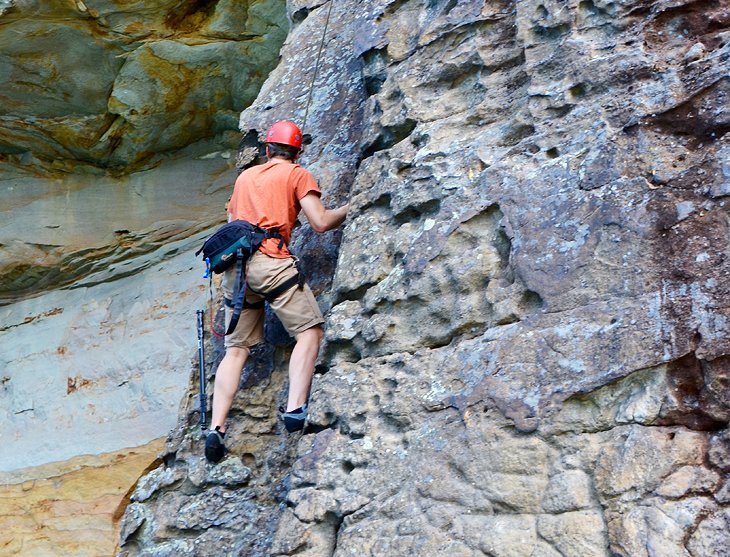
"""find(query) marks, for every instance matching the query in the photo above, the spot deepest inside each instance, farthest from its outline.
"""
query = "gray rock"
(712, 536)
(689, 479)
(578, 534)
(154, 481)
(216, 507)
(230, 472)
(169, 549)
(723, 494)
(568, 491)
(638, 460)
(719, 450)
(135, 516)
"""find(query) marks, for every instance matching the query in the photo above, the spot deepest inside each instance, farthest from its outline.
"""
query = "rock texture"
(527, 347)
(97, 98)
(527, 344)
(113, 84)
(73, 507)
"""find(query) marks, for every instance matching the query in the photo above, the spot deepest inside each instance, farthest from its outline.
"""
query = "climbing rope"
(316, 66)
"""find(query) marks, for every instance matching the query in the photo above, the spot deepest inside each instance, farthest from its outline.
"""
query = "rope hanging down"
(316, 66)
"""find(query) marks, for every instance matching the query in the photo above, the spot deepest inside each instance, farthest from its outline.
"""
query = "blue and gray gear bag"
(233, 244)
(238, 238)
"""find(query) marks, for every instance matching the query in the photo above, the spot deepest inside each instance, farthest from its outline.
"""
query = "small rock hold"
(719, 453)
(696, 52)
(154, 481)
(134, 517)
(711, 535)
(689, 479)
(568, 491)
(723, 494)
(231, 472)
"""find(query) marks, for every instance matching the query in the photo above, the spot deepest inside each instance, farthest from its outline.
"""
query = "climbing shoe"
(214, 447)
(294, 419)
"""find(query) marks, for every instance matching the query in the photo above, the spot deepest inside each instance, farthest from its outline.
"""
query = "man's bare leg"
(301, 366)
(227, 378)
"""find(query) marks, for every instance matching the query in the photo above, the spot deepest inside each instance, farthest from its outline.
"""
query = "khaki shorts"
(297, 308)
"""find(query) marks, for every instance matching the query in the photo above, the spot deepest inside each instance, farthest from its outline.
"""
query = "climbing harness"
(233, 244)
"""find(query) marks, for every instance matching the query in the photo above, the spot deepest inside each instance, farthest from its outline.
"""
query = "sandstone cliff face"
(96, 94)
(114, 83)
(84, 348)
(70, 507)
(527, 348)
(118, 134)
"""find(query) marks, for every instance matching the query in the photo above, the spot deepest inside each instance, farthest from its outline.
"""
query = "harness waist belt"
(231, 304)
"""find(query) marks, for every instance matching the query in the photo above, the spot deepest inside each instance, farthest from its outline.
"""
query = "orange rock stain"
(72, 507)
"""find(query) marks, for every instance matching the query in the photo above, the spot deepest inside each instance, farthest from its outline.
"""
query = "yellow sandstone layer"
(72, 507)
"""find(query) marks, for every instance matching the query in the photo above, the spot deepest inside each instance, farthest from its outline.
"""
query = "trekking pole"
(201, 367)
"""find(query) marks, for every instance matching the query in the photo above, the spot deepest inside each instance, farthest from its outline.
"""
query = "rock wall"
(527, 348)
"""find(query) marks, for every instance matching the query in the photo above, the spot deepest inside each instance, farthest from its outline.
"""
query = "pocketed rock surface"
(527, 349)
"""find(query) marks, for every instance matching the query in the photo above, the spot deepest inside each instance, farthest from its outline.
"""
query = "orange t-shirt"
(268, 196)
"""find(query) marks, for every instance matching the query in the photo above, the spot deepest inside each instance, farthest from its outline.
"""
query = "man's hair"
(280, 150)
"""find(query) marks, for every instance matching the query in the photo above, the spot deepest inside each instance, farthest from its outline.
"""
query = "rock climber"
(271, 195)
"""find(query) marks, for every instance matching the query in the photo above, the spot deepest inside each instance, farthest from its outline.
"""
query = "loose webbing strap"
(291, 282)
(239, 300)
(246, 304)
(274, 233)
(241, 290)
(240, 303)
(242, 283)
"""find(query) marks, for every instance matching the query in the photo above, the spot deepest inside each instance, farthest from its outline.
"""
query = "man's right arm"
(319, 218)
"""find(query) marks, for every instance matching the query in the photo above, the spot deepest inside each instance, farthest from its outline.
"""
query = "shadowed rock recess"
(528, 340)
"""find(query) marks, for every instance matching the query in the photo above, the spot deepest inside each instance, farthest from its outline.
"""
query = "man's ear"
(268, 156)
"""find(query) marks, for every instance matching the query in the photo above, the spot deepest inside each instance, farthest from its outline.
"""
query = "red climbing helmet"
(285, 132)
